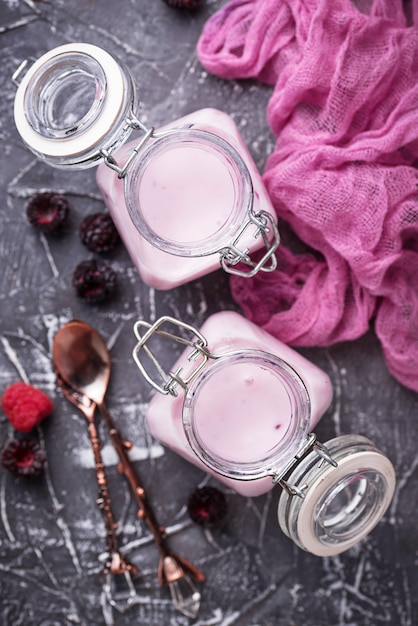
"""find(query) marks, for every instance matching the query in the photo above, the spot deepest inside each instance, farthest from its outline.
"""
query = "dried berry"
(98, 233)
(25, 406)
(47, 211)
(207, 506)
(23, 457)
(183, 4)
(94, 280)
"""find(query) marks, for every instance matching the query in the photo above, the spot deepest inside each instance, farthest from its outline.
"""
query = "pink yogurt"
(185, 193)
(239, 413)
(190, 210)
(247, 391)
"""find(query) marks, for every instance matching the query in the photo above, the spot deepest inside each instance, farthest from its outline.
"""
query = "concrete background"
(51, 532)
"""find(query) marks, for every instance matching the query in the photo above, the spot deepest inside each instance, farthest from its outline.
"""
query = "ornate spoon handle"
(116, 564)
(145, 510)
(173, 570)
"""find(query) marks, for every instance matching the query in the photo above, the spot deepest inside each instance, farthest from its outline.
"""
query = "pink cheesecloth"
(344, 172)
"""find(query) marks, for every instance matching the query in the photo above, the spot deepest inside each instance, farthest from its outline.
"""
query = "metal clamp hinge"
(173, 378)
(231, 255)
(110, 160)
(311, 444)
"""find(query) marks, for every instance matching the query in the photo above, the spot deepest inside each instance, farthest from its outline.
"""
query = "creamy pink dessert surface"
(240, 411)
(186, 192)
(241, 414)
(188, 200)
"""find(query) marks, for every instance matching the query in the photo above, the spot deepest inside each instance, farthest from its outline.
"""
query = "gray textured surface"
(51, 532)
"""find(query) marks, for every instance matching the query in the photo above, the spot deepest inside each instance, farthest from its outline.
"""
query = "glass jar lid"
(246, 414)
(341, 504)
(200, 181)
(72, 102)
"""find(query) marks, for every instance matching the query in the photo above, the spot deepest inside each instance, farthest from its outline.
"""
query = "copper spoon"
(115, 566)
(82, 361)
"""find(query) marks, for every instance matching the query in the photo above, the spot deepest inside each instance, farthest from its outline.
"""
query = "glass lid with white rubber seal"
(73, 101)
(328, 507)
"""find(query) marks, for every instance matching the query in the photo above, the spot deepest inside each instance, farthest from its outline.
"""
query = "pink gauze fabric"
(344, 171)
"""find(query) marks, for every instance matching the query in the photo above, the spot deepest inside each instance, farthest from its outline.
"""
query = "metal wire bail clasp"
(265, 228)
(167, 383)
(310, 444)
(132, 122)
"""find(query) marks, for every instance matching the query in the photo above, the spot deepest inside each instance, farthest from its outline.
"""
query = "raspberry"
(47, 211)
(98, 233)
(25, 406)
(94, 280)
(183, 4)
(23, 457)
(207, 506)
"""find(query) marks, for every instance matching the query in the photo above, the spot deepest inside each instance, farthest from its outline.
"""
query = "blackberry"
(23, 457)
(94, 280)
(183, 4)
(207, 506)
(98, 233)
(47, 211)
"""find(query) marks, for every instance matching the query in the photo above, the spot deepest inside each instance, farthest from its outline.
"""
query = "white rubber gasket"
(355, 463)
(92, 136)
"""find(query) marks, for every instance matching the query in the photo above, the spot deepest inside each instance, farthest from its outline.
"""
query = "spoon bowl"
(82, 359)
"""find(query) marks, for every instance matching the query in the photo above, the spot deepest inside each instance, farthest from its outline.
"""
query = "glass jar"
(187, 198)
(240, 404)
